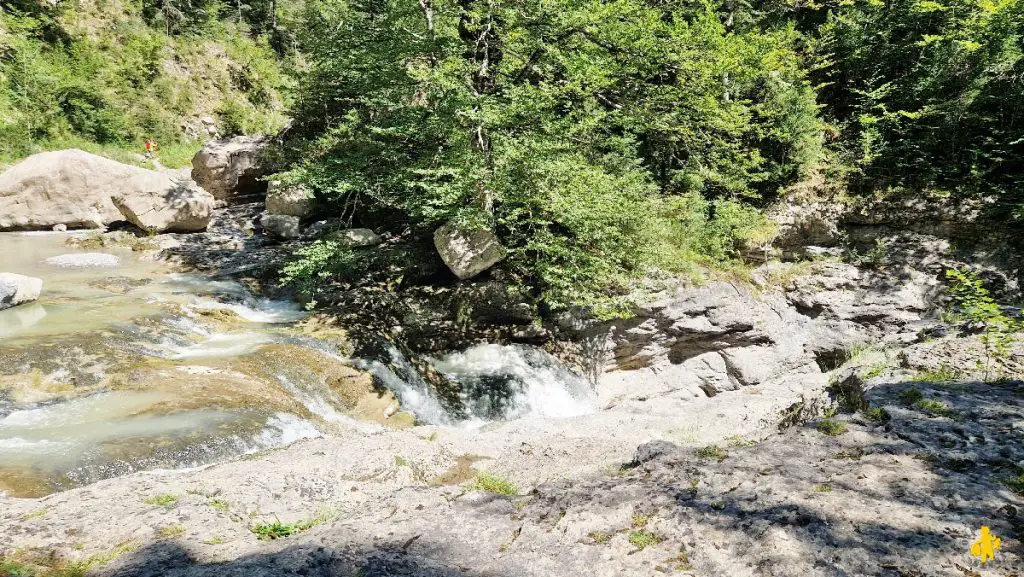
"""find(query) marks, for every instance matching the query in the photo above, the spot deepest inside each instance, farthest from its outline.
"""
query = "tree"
(560, 125)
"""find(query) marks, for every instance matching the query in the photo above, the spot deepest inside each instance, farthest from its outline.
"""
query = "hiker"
(150, 148)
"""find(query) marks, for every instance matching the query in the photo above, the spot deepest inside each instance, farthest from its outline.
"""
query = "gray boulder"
(468, 252)
(289, 200)
(183, 208)
(16, 289)
(75, 189)
(231, 168)
(281, 226)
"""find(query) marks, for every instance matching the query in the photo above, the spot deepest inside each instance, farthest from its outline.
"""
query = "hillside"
(105, 75)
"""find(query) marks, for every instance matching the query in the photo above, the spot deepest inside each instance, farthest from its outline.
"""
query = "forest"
(601, 140)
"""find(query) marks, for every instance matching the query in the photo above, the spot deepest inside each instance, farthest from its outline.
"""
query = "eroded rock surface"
(231, 168)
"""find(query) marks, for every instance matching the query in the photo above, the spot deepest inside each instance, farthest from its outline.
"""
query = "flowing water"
(124, 364)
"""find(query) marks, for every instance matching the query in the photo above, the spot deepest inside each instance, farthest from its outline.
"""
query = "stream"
(125, 364)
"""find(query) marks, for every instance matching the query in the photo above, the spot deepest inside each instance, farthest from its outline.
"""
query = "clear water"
(129, 367)
(66, 419)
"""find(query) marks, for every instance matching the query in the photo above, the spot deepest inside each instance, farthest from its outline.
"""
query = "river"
(126, 364)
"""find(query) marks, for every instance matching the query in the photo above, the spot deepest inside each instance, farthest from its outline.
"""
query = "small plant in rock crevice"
(167, 501)
(643, 539)
(490, 483)
(712, 452)
(831, 427)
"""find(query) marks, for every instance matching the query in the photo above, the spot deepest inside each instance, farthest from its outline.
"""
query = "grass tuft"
(167, 501)
(832, 427)
(493, 484)
(643, 539)
(712, 452)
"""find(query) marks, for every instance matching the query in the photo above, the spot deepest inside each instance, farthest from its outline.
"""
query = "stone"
(84, 260)
(60, 228)
(16, 289)
(468, 252)
(75, 189)
(290, 200)
(281, 226)
(231, 168)
(356, 237)
(184, 208)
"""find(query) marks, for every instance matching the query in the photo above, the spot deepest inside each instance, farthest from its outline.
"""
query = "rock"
(320, 228)
(887, 302)
(356, 237)
(208, 120)
(84, 260)
(60, 227)
(468, 253)
(281, 226)
(289, 200)
(231, 168)
(705, 340)
(652, 450)
(75, 189)
(16, 289)
(185, 208)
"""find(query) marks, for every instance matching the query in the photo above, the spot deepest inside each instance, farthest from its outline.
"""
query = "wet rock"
(468, 253)
(281, 226)
(84, 259)
(231, 168)
(16, 289)
(290, 200)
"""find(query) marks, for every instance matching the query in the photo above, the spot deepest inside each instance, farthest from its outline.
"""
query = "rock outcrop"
(706, 340)
(290, 200)
(75, 189)
(16, 289)
(468, 252)
(231, 168)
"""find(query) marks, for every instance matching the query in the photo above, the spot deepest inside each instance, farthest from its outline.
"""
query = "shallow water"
(131, 367)
(104, 374)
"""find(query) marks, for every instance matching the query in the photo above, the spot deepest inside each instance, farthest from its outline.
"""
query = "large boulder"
(289, 200)
(281, 226)
(231, 168)
(155, 208)
(75, 189)
(16, 289)
(468, 252)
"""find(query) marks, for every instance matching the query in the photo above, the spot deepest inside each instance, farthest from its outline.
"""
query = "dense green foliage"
(100, 77)
(929, 93)
(599, 140)
(596, 138)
